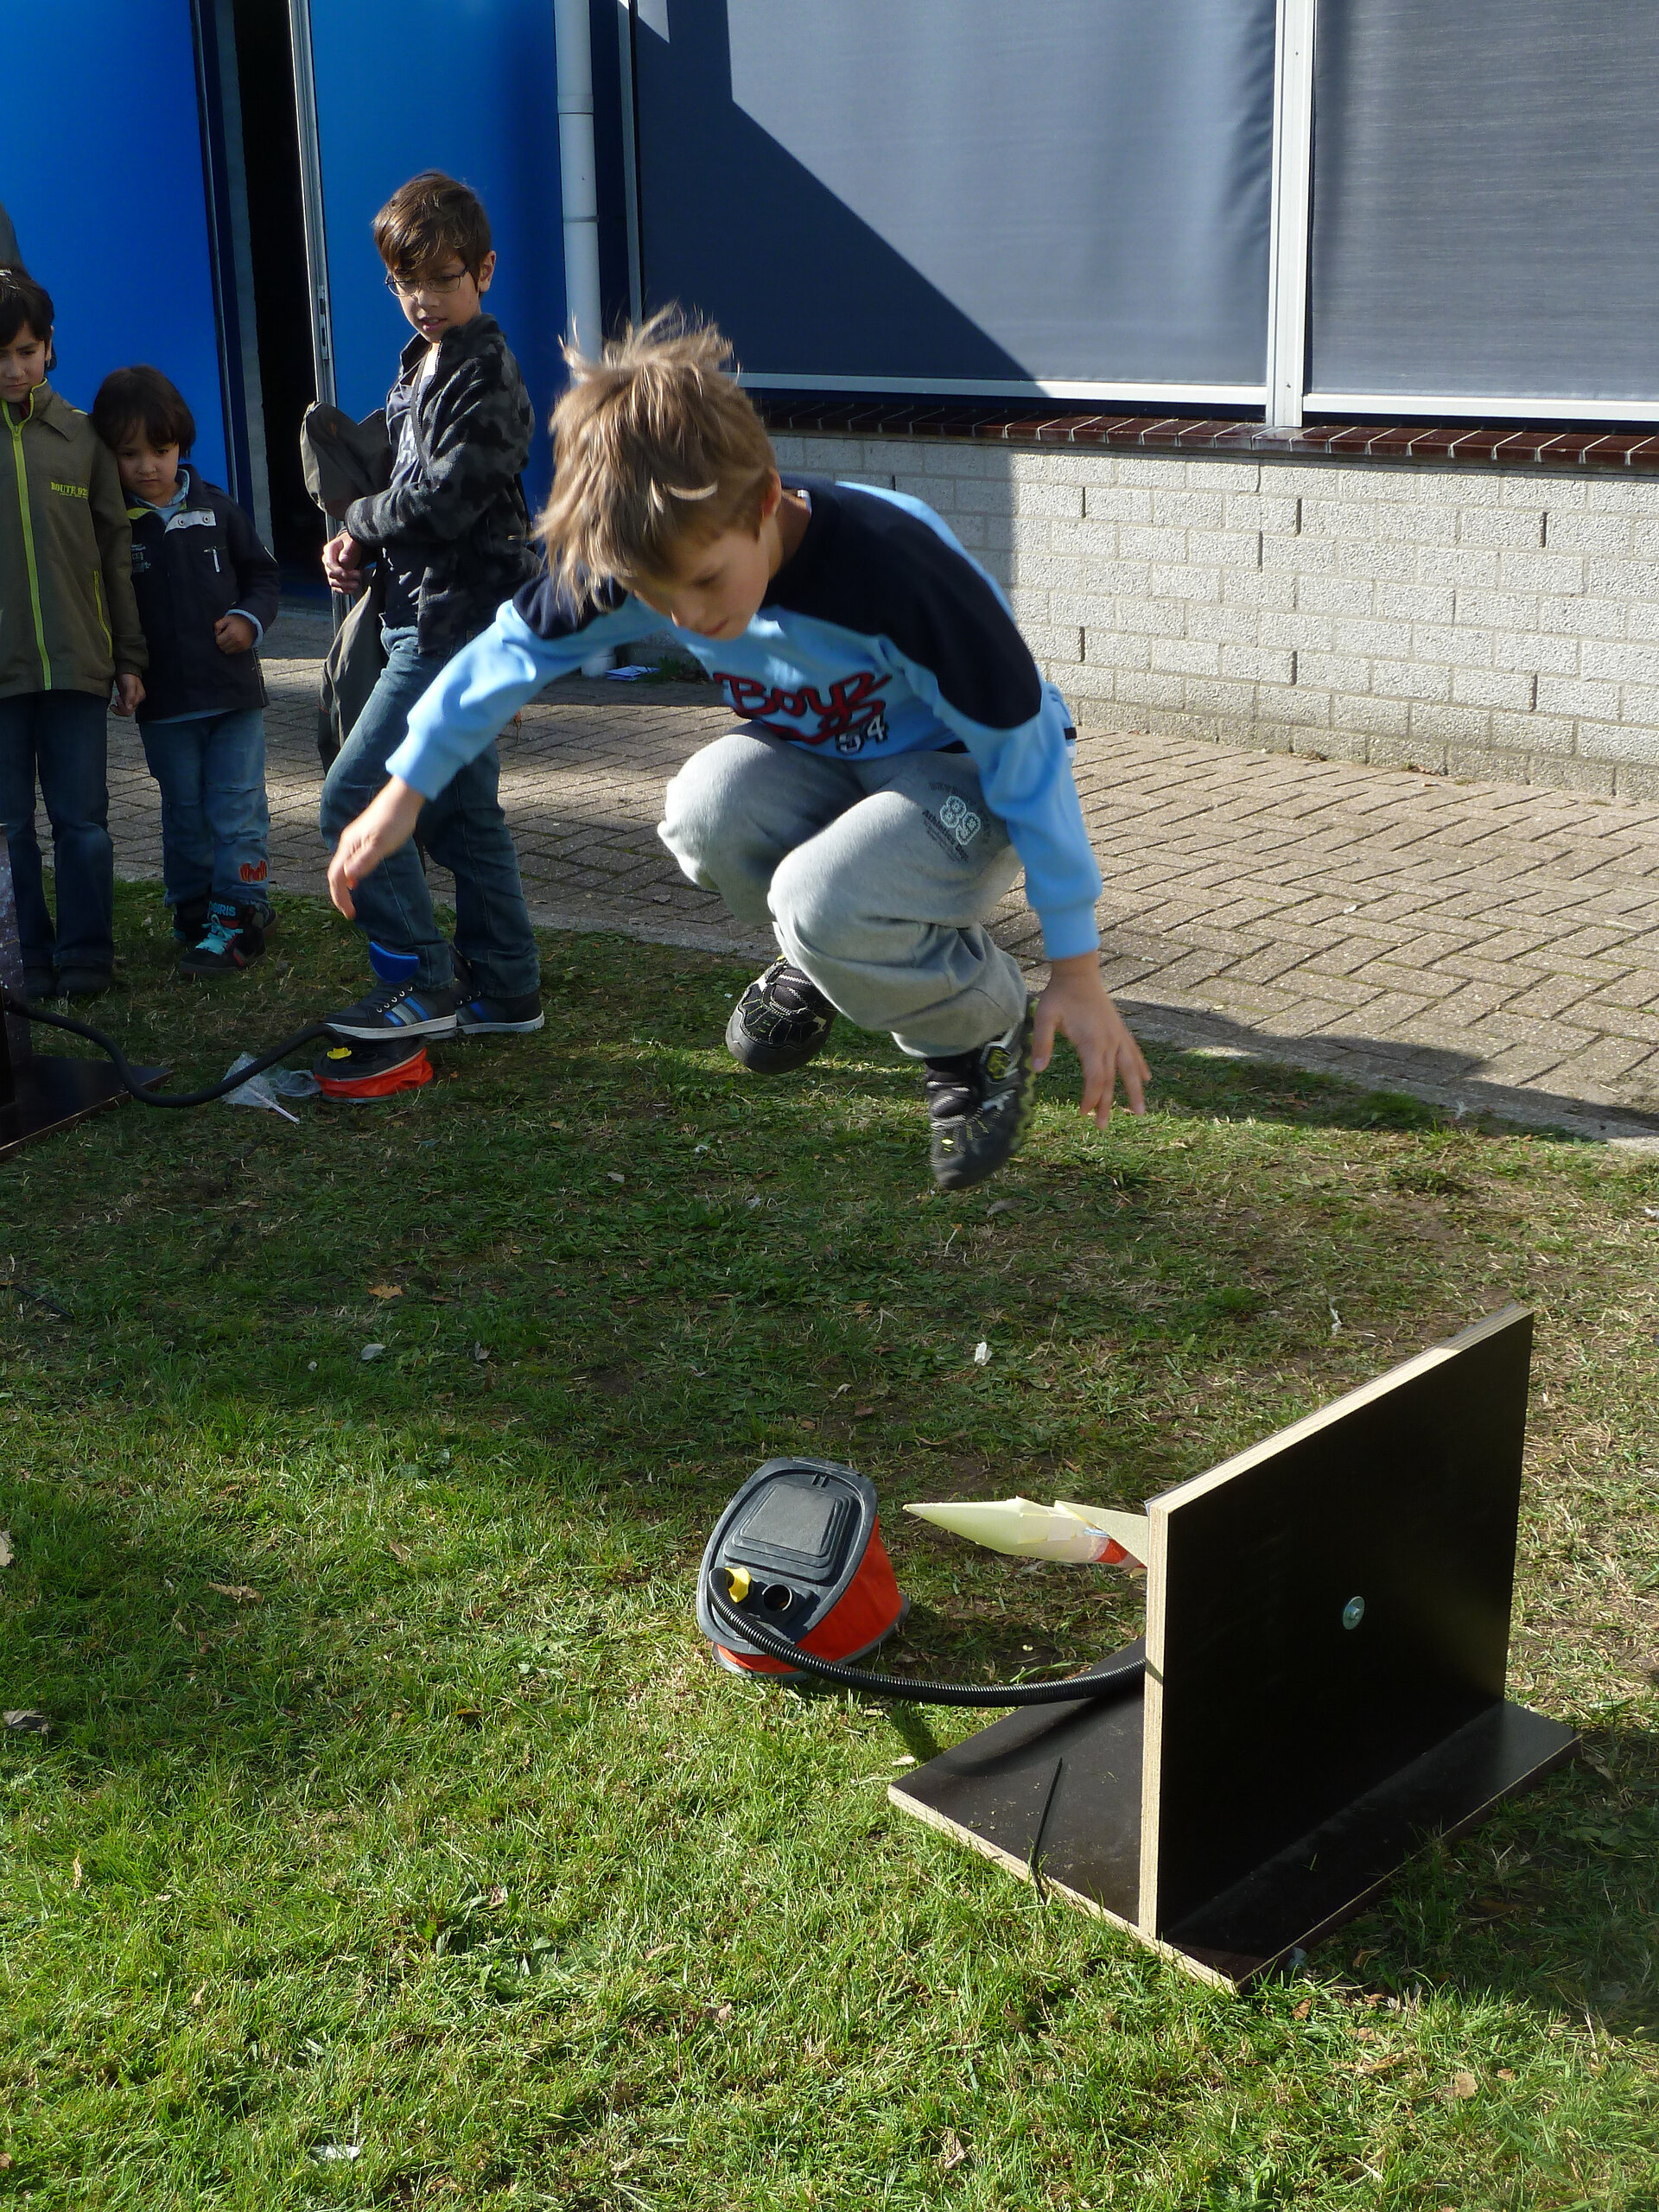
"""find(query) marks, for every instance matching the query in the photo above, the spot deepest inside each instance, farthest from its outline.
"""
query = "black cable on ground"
(1096, 1683)
(123, 1067)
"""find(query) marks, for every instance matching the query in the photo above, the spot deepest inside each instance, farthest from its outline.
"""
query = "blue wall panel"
(101, 172)
(466, 85)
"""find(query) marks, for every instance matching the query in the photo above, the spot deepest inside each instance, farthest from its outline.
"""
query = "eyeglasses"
(443, 287)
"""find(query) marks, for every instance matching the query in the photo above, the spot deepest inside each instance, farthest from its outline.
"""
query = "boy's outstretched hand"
(385, 825)
(1075, 1005)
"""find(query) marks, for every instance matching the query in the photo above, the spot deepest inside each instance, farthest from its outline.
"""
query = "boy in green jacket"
(68, 629)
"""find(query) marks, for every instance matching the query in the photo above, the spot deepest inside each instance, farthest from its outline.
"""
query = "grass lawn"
(396, 1843)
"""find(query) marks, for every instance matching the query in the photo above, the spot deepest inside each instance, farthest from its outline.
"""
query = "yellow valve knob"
(738, 1579)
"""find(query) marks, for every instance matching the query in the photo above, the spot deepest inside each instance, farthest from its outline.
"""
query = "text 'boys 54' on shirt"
(878, 635)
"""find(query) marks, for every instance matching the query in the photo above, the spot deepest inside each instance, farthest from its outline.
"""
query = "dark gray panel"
(1074, 191)
(1486, 199)
(1280, 1704)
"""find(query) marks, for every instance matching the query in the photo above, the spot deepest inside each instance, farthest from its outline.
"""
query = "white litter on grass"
(981, 1354)
(1336, 1320)
(330, 2154)
(372, 1351)
(261, 1089)
(5, 1548)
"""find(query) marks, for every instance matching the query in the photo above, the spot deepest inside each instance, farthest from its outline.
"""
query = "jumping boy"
(208, 592)
(452, 533)
(902, 757)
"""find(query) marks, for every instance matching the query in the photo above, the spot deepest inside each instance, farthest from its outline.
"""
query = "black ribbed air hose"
(1097, 1683)
(12, 1004)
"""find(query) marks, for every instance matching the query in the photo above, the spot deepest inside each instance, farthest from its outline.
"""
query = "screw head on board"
(1353, 1612)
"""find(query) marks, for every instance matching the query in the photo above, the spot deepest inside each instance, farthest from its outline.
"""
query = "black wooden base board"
(1053, 1793)
(50, 1094)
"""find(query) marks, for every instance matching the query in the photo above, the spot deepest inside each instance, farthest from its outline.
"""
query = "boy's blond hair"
(656, 450)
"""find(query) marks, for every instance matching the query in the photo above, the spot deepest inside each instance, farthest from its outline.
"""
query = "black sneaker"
(779, 1022)
(37, 985)
(233, 937)
(83, 982)
(399, 1010)
(979, 1104)
(513, 1017)
(190, 919)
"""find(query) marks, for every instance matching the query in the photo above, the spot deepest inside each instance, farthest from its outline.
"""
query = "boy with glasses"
(451, 535)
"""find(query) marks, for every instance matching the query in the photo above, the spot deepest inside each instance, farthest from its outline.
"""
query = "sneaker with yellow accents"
(979, 1104)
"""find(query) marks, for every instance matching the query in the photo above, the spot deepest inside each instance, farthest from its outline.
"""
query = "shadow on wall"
(810, 272)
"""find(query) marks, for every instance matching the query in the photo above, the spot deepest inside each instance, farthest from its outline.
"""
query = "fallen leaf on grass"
(240, 1590)
(28, 1722)
(5, 1548)
(722, 2013)
(372, 1351)
(611, 1176)
(76, 1883)
(480, 1353)
(1301, 2011)
(1465, 2085)
(385, 1290)
(862, 1412)
(1389, 2058)
(952, 2149)
(401, 1553)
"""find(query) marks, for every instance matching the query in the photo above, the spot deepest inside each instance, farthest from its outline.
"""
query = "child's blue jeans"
(463, 829)
(60, 735)
(215, 822)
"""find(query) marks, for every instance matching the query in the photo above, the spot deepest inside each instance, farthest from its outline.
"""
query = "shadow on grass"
(1554, 1901)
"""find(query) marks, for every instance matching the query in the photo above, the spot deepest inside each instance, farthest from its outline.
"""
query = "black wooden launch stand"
(1327, 1633)
(39, 1093)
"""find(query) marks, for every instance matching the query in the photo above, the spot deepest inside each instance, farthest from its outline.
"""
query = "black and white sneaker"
(400, 1010)
(979, 1104)
(779, 1022)
(512, 1017)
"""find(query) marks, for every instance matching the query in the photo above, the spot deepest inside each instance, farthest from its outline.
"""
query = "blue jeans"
(215, 822)
(463, 829)
(60, 735)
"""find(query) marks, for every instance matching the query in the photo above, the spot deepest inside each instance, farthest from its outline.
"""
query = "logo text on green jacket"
(70, 490)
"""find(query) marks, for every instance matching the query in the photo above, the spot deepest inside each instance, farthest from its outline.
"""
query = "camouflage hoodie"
(462, 516)
(69, 620)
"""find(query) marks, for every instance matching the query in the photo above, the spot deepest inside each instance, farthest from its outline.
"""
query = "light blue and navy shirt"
(878, 635)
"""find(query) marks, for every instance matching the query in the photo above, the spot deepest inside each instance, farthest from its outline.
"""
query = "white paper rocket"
(1087, 1535)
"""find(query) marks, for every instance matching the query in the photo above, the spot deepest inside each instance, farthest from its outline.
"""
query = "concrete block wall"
(1474, 621)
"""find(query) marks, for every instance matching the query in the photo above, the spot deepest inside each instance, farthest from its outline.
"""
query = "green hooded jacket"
(69, 620)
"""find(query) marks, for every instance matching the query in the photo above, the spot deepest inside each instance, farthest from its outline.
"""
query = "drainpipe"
(579, 194)
(578, 179)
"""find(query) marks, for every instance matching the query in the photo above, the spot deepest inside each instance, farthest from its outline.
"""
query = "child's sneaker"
(190, 919)
(980, 1105)
(512, 1017)
(399, 1010)
(83, 982)
(233, 937)
(779, 1022)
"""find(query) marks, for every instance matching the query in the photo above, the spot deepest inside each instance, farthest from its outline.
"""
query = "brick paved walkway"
(1485, 946)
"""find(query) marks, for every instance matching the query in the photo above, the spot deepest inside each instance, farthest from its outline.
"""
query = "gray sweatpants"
(877, 876)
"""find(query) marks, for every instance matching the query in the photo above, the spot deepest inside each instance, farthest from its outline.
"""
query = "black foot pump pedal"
(799, 1550)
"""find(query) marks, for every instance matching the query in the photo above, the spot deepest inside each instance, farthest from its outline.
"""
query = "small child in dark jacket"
(206, 591)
